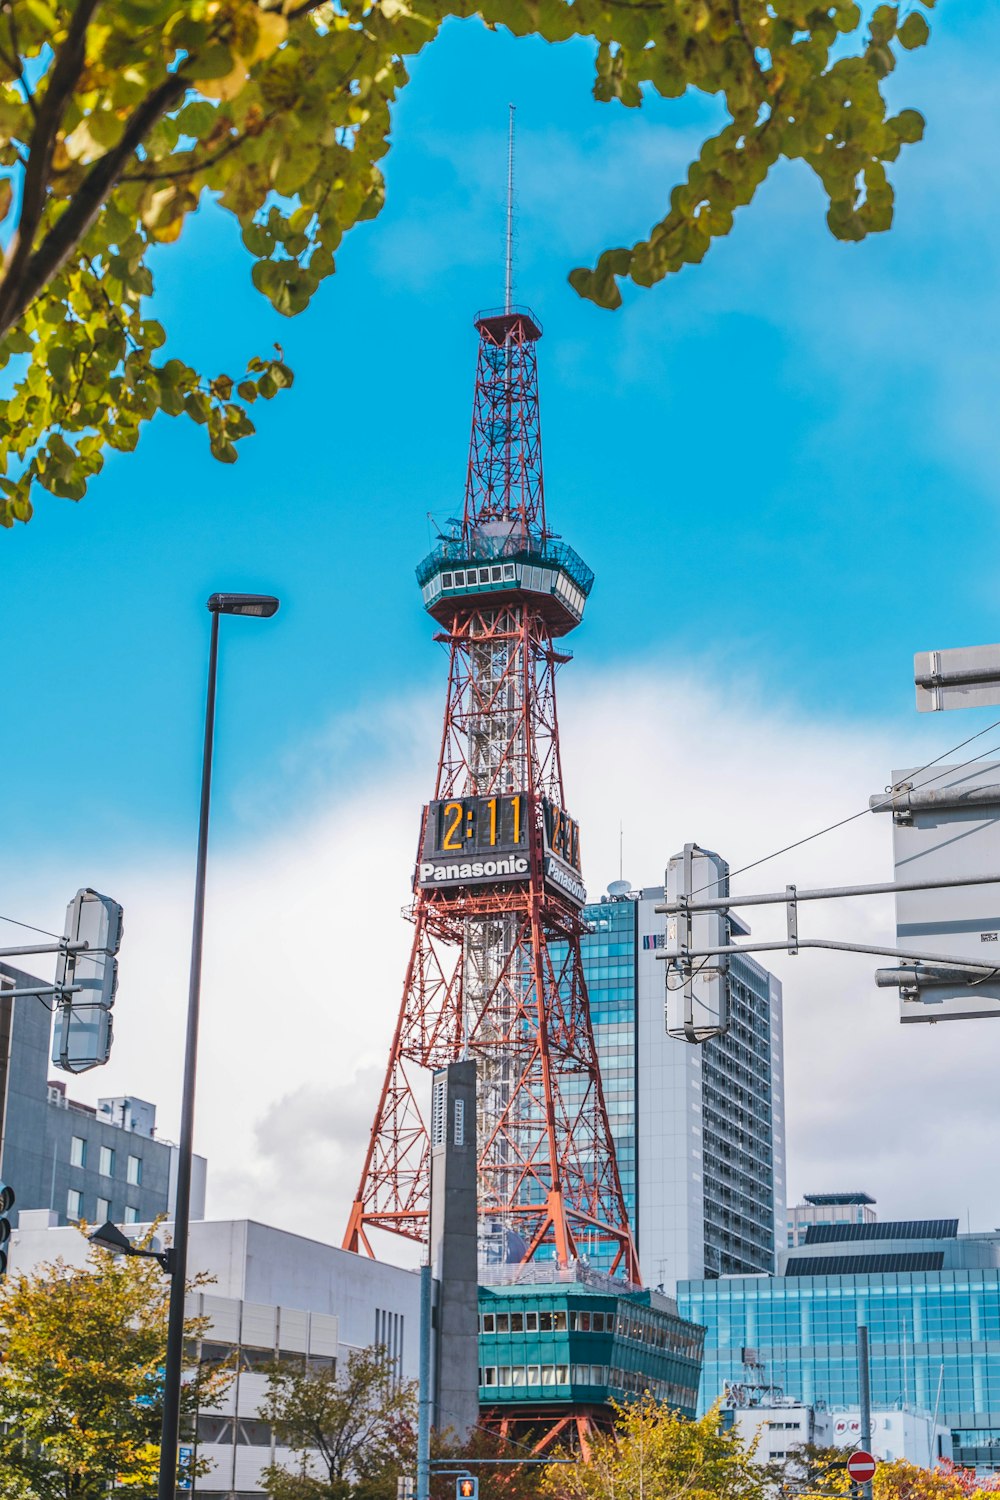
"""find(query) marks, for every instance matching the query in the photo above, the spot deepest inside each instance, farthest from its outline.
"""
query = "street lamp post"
(261, 606)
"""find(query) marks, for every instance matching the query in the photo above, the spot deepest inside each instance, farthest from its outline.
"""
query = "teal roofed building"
(554, 1354)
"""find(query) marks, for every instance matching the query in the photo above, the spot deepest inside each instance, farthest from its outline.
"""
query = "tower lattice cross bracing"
(495, 971)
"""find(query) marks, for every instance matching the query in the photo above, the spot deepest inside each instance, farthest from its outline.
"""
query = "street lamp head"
(261, 605)
(110, 1237)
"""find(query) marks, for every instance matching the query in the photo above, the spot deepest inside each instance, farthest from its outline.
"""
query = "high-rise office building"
(929, 1297)
(698, 1130)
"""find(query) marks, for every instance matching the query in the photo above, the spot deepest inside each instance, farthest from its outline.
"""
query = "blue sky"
(776, 462)
(781, 465)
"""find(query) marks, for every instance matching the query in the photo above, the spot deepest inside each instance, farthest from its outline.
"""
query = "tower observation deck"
(495, 971)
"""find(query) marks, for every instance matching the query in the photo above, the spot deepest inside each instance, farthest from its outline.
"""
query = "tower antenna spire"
(509, 259)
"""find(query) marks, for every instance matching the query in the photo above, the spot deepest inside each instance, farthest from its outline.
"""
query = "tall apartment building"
(76, 1161)
(828, 1208)
(699, 1130)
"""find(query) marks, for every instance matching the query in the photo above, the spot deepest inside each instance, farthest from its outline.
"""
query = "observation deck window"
(460, 580)
(446, 581)
(484, 575)
(508, 572)
(495, 574)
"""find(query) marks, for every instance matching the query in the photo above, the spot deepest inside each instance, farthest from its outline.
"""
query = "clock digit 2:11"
(480, 823)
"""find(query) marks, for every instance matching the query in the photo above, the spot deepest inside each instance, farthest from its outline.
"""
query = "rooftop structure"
(822, 1209)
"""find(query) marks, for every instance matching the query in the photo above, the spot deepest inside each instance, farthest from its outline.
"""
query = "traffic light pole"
(166, 1488)
(424, 1388)
(865, 1401)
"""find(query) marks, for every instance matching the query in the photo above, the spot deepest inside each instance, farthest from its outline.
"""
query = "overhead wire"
(31, 927)
(842, 822)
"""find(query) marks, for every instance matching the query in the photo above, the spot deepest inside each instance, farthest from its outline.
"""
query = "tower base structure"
(554, 1353)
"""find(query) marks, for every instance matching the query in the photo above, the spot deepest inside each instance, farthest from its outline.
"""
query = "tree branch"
(65, 71)
(17, 292)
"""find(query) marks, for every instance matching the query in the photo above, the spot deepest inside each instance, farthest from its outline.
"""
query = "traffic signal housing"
(6, 1204)
(467, 1487)
(83, 1030)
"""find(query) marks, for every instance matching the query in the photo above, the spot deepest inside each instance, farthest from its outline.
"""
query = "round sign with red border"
(861, 1465)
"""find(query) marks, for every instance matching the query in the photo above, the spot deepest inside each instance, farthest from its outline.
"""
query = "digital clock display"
(562, 834)
(475, 841)
(477, 825)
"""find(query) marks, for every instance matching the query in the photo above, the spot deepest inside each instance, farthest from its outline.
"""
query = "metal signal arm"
(43, 991)
(686, 907)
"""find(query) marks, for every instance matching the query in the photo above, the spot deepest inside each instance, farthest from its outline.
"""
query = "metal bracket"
(792, 919)
(902, 813)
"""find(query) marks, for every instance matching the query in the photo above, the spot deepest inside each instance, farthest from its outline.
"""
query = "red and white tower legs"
(495, 972)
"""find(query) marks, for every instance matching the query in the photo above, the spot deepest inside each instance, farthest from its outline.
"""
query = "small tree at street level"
(118, 118)
(351, 1429)
(82, 1351)
(655, 1454)
(811, 1471)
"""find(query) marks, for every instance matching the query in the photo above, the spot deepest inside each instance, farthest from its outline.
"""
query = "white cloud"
(306, 947)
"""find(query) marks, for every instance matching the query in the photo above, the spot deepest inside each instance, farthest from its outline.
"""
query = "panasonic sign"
(432, 872)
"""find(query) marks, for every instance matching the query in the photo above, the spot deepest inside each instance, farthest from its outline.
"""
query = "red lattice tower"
(495, 972)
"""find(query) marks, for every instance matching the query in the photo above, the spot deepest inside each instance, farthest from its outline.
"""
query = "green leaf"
(914, 31)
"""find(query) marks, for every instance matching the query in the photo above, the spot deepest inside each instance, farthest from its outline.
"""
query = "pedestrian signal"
(467, 1488)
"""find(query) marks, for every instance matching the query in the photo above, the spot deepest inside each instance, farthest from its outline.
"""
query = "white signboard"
(946, 827)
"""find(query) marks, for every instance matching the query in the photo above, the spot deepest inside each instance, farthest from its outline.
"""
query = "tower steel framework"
(495, 971)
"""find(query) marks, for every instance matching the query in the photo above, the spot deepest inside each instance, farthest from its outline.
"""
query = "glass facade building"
(934, 1333)
(699, 1131)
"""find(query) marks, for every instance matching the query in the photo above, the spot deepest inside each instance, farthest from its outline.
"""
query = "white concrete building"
(896, 1432)
(276, 1294)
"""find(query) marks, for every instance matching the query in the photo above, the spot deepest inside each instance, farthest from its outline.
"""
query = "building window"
(77, 1151)
(103, 1210)
(131, 1216)
(134, 1170)
(106, 1164)
(489, 1325)
(74, 1204)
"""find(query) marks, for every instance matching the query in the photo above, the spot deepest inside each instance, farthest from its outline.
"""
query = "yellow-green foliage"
(657, 1455)
(81, 1360)
(118, 116)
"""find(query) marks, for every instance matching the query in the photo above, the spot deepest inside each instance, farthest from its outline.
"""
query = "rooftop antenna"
(509, 266)
(621, 850)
